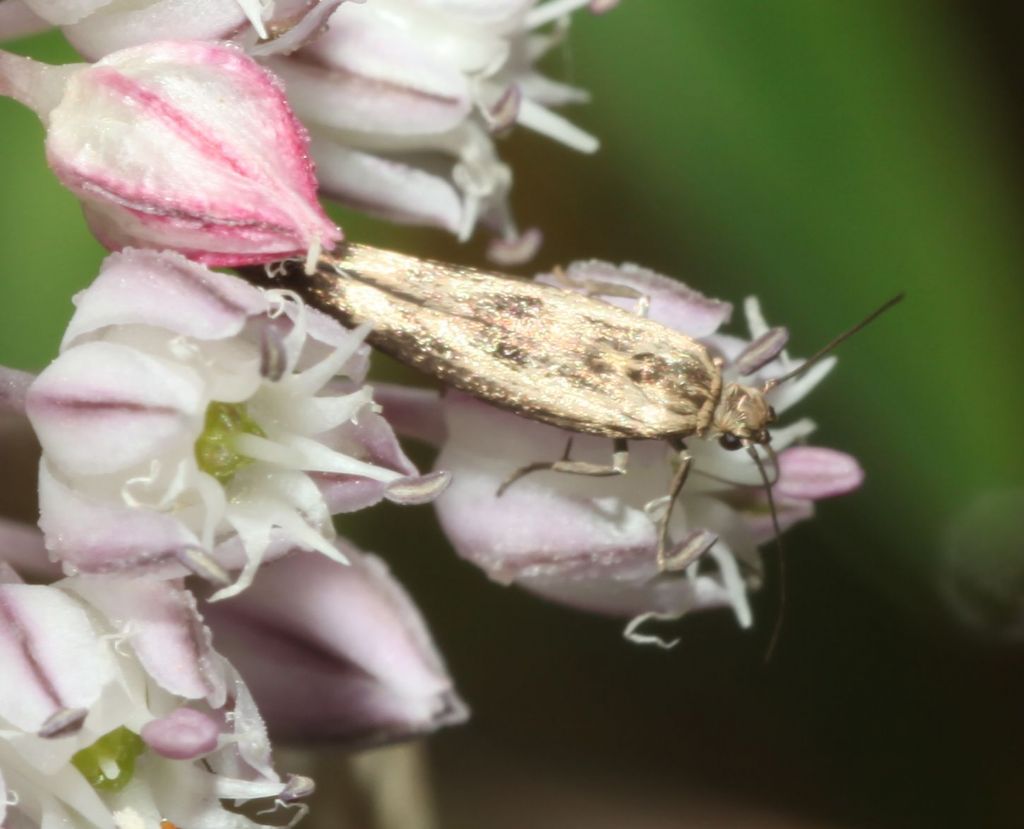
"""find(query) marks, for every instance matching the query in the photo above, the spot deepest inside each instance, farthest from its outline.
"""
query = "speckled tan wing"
(543, 352)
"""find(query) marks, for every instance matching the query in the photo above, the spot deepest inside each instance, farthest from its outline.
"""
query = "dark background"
(822, 155)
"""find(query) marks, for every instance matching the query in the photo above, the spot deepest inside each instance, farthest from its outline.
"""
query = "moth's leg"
(618, 466)
(666, 563)
(596, 287)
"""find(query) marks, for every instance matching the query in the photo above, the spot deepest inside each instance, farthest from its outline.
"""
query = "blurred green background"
(822, 156)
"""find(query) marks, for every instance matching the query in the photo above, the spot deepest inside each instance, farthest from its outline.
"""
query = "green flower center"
(109, 763)
(215, 451)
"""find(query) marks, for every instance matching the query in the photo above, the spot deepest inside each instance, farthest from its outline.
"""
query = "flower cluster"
(195, 424)
(198, 431)
(118, 712)
(403, 100)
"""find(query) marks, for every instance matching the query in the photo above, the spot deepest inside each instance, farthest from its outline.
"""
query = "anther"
(273, 355)
(419, 490)
(297, 787)
(62, 723)
(762, 351)
(202, 564)
(502, 115)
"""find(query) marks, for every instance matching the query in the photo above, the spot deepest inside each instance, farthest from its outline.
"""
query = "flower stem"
(39, 86)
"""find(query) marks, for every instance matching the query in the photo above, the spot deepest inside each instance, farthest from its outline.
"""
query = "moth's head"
(742, 417)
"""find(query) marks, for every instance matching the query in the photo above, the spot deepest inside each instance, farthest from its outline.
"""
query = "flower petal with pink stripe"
(187, 146)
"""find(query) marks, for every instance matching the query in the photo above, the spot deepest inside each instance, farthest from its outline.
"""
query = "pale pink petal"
(538, 525)
(336, 652)
(99, 537)
(473, 50)
(372, 440)
(791, 392)
(672, 303)
(164, 290)
(164, 629)
(52, 658)
(206, 157)
(391, 188)
(65, 11)
(586, 542)
(412, 412)
(327, 331)
(544, 521)
(367, 75)
(483, 12)
(184, 734)
(18, 20)
(101, 407)
(814, 472)
(132, 24)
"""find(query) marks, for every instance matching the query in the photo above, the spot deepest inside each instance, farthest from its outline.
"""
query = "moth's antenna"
(777, 630)
(774, 458)
(771, 384)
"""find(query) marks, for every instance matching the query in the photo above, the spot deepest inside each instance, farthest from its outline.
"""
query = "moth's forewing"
(542, 352)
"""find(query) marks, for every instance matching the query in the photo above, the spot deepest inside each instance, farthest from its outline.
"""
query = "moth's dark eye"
(772, 417)
(730, 442)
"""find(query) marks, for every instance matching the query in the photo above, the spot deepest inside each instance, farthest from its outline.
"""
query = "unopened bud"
(184, 146)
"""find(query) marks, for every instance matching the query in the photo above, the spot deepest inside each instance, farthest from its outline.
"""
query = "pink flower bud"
(179, 145)
(336, 652)
(184, 734)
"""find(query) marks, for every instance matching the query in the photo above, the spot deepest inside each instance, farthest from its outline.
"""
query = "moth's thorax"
(744, 413)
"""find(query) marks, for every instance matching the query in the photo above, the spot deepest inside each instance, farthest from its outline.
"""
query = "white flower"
(114, 711)
(402, 99)
(193, 419)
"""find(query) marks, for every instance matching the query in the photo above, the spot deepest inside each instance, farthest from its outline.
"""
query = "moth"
(557, 356)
